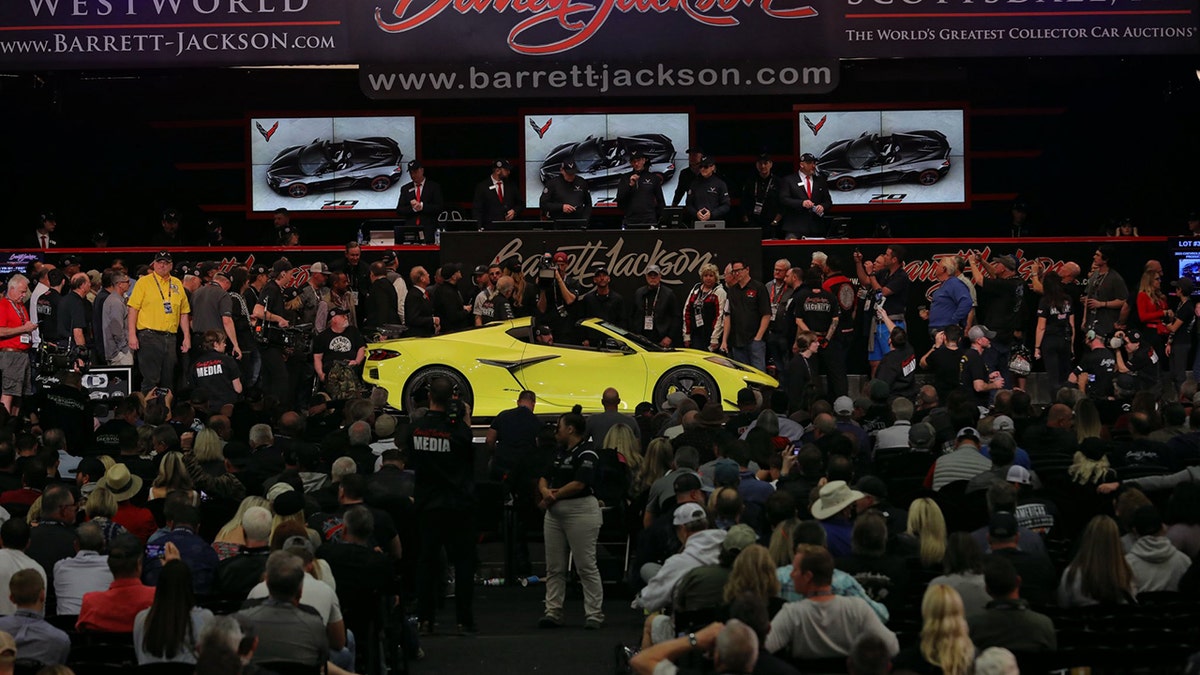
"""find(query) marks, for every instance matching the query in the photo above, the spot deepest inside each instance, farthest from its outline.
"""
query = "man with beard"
(448, 302)
(358, 275)
(640, 194)
(708, 196)
(760, 199)
(337, 353)
(603, 302)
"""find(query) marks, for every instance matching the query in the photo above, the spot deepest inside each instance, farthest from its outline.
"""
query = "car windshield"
(313, 158)
(631, 337)
(861, 152)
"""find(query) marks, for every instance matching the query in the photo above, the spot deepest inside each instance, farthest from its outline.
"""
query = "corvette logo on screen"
(267, 133)
(816, 128)
(541, 131)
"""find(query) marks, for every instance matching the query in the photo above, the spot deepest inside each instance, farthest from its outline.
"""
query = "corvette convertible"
(324, 166)
(491, 364)
(602, 161)
(871, 159)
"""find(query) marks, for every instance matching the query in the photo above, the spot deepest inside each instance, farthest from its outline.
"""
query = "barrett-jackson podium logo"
(581, 19)
(678, 266)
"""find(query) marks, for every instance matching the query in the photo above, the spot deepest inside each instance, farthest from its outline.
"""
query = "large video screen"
(329, 163)
(888, 156)
(600, 145)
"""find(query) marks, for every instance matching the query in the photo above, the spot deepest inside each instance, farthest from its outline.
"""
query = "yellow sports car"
(491, 364)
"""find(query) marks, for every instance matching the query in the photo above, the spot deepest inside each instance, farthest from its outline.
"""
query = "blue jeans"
(753, 354)
(344, 657)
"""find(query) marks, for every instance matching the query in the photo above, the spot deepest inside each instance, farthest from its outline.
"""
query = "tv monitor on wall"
(883, 157)
(600, 145)
(329, 163)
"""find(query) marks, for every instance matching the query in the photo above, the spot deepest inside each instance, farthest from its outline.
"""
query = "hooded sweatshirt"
(1157, 564)
(702, 548)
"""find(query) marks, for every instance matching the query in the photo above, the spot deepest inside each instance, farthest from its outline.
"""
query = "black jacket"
(488, 208)
(431, 200)
(559, 192)
(798, 220)
(708, 193)
(643, 203)
(418, 313)
(448, 304)
(382, 304)
(666, 313)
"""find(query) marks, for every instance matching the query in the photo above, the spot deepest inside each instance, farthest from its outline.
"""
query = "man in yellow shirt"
(158, 309)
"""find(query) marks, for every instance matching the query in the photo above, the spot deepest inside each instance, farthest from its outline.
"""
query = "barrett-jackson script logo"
(590, 256)
(581, 19)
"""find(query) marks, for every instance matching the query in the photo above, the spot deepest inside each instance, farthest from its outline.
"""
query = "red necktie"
(43, 237)
(500, 191)
(419, 201)
(808, 185)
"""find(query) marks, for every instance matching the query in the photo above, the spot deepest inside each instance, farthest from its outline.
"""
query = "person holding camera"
(1137, 364)
(556, 296)
(216, 374)
(337, 353)
(272, 309)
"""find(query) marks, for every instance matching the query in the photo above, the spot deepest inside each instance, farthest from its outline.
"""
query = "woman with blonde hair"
(620, 437)
(655, 465)
(754, 572)
(945, 645)
(231, 538)
(1087, 420)
(1152, 309)
(1099, 574)
(702, 325)
(927, 529)
(209, 451)
(780, 547)
(172, 475)
(100, 509)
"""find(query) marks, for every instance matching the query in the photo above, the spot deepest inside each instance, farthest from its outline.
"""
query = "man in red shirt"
(113, 610)
(16, 337)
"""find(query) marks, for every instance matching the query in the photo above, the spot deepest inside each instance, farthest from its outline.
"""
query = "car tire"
(845, 183)
(683, 379)
(418, 385)
(929, 177)
(297, 190)
(381, 183)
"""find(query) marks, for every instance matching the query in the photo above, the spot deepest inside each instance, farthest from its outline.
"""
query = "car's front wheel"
(381, 183)
(929, 177)
(845, 183)
(416, 390)
(685, 378)
(297, 190)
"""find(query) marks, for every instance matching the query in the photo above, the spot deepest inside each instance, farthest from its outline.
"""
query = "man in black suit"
(43, 236)
(418, 310)
(805, 199)
(656, 310)
(495, 197)
(420, 203)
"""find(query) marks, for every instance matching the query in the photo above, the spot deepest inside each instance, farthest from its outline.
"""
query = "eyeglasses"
(735, 270)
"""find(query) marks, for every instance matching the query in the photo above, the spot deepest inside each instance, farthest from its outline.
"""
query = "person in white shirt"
(82, 573)
(15, 535)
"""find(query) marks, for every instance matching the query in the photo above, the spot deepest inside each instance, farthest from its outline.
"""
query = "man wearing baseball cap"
(168, 236)
(639, 193)
(158, 309)
(495, 198)
(701, 546)
(1002, 294)
(1137, 365)
(688, 174)
(271, 309)
(760, 198)
(804, 199)
(566, 196)
(976, 375)
(556, 300)
(708, 196)
(420, 203)
(656, 314)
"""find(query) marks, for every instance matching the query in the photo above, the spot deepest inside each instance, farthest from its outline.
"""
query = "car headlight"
(725, 362)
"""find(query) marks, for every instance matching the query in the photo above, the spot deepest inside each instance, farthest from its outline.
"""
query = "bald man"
(73, 313)
(598, 425)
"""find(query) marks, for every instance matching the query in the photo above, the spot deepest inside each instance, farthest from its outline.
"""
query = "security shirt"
(579, 463)
(708, 193)
(160, 302)
(643, 202)
(559, 192)
(817, 310)
(443, 460)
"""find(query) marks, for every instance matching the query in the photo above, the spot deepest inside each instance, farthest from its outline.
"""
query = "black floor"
(509, 640)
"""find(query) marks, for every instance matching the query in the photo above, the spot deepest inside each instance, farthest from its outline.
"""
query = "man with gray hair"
(238, 574)
(287, 632)
(268, 459)
(111, 328)
(360, 434)
(895, 437)
(735, 643)
(16, 338)
(87, 571)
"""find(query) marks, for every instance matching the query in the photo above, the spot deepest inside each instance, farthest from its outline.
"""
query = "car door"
(563, 375)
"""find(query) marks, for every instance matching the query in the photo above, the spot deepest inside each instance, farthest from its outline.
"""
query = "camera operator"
(272, 310)
(336, 355)
(1137, 364)
(556, 295)
(216, 374)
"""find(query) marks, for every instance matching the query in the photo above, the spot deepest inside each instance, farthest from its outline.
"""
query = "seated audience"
(168, 631)
(1099, 573)
(114, 610)
(14, 536)
(87, 571)
(945, 645)
(36, 638)
(286, 631)
(1007, 620)
(1157, 565)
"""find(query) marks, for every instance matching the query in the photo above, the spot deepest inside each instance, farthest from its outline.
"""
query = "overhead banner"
(515, 47)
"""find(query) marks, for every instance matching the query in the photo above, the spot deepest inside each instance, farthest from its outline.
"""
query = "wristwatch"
(692, 640)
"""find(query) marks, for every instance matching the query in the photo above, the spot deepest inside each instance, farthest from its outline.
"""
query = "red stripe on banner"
(131, 26)
(995, 15)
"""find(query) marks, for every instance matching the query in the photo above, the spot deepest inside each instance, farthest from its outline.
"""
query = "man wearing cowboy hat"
(835, 508)
(124, 486)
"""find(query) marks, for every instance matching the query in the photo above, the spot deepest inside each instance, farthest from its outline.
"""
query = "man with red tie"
(805, 199)
(495, 197)
(420, 203)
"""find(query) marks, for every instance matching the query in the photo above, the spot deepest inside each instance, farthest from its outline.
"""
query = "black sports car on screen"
(324, 166)
(872, 159)
(602, 161)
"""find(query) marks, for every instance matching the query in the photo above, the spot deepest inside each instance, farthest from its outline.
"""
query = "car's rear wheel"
(416, 390)
(381, 183)
(929, 177)
(297, 190)
(685, 378)
(845, 183)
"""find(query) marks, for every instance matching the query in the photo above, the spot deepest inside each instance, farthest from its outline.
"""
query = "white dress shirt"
(11, 562)
(87, 571)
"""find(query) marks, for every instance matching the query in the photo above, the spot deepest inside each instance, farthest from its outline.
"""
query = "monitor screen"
(329, 163)
(600, 145)
(887, 157)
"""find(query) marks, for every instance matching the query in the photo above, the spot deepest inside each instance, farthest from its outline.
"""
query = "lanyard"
(24, 318)
(766, 190)
(652, 303)
(167, 297)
